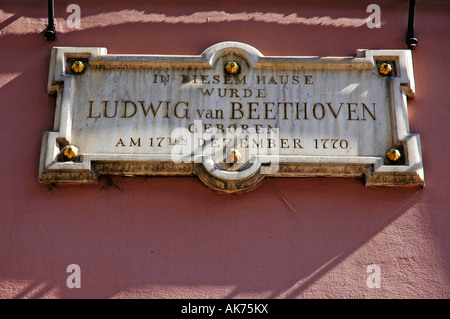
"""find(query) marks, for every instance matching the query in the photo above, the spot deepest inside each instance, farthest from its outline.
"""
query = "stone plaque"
(231, 116)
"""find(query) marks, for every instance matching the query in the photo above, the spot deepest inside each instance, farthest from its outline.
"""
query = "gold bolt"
(385, 68)
(232, 67)
(233, 156)
(70, 152)
(393, 155)
(77, 67)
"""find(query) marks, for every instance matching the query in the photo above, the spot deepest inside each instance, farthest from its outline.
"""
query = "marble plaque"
(231, 116)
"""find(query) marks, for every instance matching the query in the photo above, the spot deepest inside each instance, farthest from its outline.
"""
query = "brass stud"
(70, 152)
(393, 155)
(77, 67)
(233, 156)
(232, 67)
(385, 68)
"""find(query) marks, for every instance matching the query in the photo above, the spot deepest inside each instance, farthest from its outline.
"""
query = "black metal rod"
(411, 41)
(50, 33)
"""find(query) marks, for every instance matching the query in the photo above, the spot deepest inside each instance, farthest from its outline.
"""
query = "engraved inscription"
(249, 103)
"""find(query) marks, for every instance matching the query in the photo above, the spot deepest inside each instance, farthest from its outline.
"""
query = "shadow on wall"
(174, 238)
(177, 29)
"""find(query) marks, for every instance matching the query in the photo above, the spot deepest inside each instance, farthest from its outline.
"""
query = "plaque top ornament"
(231, 116)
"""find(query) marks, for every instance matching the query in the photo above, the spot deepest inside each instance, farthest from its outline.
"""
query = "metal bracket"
(411, 41)
(50, 33)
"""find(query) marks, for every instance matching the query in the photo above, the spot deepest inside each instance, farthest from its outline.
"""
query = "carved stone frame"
(86, 169)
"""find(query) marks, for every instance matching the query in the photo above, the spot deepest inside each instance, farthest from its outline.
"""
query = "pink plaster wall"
(175, 238)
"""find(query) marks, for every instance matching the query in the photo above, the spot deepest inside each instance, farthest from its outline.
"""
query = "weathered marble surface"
(291, 116)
